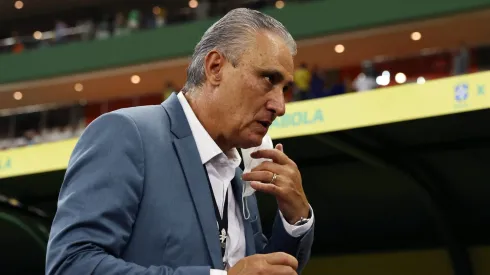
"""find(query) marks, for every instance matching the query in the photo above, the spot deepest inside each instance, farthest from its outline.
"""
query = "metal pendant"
(222, 238)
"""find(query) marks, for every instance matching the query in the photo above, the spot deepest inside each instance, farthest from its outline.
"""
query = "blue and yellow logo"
(461, 92)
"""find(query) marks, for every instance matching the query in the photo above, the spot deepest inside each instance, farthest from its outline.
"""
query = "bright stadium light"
(18, 95)
(421, 80)
(280, 4)
(416, 36)
(400, 78)
(339, 48)
(135, 79)
(38, 35)
(193, 4)
(78, 87)
(383, 80)
(19, 5)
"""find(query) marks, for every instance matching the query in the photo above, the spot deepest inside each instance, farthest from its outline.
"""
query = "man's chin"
(252, 141)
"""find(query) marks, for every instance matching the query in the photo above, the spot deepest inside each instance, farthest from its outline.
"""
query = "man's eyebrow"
(278, 76)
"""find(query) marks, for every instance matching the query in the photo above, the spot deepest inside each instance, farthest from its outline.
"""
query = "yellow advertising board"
(387, 105)
(36, 159)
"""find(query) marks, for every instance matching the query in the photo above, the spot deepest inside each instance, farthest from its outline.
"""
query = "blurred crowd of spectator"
(25, 129)
(313, 82)
(31, 137)
(118, 24)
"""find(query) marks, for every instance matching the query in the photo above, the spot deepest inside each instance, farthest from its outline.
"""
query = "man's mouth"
(266, 124)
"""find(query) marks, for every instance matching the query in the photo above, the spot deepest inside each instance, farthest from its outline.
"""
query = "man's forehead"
(270, 52)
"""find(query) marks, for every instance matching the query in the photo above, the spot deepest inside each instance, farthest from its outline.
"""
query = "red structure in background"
(430, 67)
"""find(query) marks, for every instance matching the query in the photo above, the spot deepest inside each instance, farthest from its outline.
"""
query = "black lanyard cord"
(222, 221)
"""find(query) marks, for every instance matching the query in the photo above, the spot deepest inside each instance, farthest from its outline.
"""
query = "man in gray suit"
(158, 189)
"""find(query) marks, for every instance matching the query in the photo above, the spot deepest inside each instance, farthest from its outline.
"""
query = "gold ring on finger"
(274, 177)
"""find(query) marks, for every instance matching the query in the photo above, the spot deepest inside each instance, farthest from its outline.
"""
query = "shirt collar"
(207, 147)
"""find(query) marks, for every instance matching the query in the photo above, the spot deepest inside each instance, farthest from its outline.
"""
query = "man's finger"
(274, 154)
(280, 147)
(268, 188)
(271, 167)
(282, 270)
(281, 258)
(262, 176)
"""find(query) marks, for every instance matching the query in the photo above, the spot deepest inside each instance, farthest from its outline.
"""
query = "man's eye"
(268, 79)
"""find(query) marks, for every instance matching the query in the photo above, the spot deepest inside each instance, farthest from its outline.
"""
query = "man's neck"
(202, 108)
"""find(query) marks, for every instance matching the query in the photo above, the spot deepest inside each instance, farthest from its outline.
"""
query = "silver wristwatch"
(301, 221)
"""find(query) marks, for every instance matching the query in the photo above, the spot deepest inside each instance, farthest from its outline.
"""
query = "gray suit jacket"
(135, 201)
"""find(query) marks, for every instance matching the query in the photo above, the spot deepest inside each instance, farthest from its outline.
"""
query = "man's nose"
(277, 103)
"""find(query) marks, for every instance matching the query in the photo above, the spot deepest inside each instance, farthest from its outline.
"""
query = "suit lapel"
(195, 177)
(237, 186)
(201, 196)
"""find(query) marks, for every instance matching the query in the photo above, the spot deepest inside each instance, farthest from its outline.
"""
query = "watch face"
(302, 221)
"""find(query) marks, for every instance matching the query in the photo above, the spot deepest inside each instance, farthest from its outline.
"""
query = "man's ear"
(213, 67)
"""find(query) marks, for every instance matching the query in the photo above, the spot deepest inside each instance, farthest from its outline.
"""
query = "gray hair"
(227, 36)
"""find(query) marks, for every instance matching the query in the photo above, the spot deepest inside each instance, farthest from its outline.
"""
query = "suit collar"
(184, 122)
(206, 146)
(178, 122)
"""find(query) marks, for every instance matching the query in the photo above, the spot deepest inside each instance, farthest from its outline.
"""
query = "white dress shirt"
(221, 170)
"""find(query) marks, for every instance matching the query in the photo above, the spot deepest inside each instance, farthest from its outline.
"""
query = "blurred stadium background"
(388, 118)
